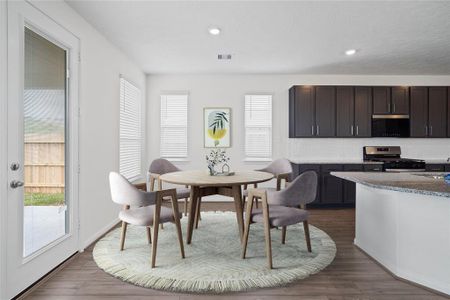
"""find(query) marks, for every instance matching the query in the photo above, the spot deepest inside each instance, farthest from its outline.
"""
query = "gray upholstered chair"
(160, 167)
(144, 209)
(281, 169)
(281, 208)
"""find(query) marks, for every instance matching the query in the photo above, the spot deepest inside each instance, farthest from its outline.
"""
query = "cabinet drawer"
(434, 168)
(353, 168)
(373, 168)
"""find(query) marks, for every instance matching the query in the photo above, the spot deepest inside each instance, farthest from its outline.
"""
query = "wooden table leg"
(236, 190)
(192, 209)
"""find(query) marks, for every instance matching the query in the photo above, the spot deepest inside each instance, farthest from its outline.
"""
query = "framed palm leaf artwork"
(217, 127)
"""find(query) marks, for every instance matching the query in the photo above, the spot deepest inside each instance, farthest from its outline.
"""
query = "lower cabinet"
(331, 187)
(333, 191)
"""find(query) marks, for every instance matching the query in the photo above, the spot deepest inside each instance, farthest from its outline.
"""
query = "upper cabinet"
(312, 111)
(437, 112)
(429, 112)
(390, 100)
(325, 120)
(347, 111)
(363, 111)
(381, 100)
(302, 111)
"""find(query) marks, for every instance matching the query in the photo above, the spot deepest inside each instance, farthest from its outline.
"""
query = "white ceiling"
(393, 37)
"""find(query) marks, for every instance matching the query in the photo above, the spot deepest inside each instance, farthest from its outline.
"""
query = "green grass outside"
(37, 199)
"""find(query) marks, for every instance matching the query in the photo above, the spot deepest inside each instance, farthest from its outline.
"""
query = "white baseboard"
(99, 234)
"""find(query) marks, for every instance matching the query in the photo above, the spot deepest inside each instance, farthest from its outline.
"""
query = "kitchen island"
(403, 222)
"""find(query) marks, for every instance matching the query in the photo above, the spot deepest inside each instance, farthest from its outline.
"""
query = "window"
(258, 127)
(130, 130)
(173, 135)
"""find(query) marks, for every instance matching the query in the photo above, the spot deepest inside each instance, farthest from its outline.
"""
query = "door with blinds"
(42, 228)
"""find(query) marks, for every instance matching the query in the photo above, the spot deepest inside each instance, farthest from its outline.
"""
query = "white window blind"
(130, 130)
(258, 126)
(173, 135)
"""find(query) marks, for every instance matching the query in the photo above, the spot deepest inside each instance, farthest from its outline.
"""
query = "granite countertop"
(437, 161)
(403, 182)
(325, 161)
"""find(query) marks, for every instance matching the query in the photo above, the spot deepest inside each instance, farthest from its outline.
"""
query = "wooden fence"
(44, 167)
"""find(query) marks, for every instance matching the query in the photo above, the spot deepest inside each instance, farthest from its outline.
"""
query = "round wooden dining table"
(202, 184)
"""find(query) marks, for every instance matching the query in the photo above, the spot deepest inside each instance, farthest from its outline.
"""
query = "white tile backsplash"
(351, 148)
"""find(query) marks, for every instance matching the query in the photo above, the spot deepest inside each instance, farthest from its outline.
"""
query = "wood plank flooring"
(352, 275)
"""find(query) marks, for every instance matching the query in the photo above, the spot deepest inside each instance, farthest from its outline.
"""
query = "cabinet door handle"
(393, 107)
(389, 107)
(318, 130)
(351, 130)
(426, 130)
(431, 130)
(357, 130)
(312, 129)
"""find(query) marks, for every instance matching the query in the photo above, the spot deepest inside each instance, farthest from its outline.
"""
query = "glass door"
(42, 145)
(46, 216)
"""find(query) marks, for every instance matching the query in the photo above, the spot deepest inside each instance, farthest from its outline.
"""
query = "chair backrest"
(162, 166)
(278, 166)
(302, 190)
(124, 193)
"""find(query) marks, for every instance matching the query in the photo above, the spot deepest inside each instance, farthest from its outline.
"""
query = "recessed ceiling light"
(214, 30)
(350, 52)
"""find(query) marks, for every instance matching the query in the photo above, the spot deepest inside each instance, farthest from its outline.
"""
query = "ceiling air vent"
(223, 56)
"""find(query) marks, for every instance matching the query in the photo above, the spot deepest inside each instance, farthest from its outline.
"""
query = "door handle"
(431, 130)
(312, 129)
(15, 184)
(389, 107)
(426, 130)
(14, 166)
(351, 130)
(357, 130)
(318, 130)
(393, 107)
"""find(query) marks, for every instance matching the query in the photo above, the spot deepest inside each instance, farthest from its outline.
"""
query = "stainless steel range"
(390, 156)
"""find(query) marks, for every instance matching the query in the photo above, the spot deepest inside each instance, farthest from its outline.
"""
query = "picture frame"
(217, 127)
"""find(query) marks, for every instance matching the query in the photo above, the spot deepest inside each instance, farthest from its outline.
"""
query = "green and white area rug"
(213, 261)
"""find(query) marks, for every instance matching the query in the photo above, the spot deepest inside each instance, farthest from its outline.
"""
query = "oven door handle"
(405, 170)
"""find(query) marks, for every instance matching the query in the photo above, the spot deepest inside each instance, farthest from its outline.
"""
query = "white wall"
(100, 67)
(229, 91)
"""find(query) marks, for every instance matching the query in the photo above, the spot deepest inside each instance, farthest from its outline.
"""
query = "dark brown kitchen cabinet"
(428, 117)
(437, 112)
(434, 167)
(302, 104)
(345, 111)
(325, 111)
(400, 100)
(381, 100)
(331, 186)
(363, 112)
(419, 112)
(390, 100)
(447, 168)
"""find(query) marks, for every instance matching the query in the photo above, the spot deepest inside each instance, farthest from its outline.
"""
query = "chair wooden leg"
(149, 235)
(122, 235)
(185, 206)
(155, 230)
(177, 223)
(283, 235)
(197, 212)
(247, 226)
(307, 237)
